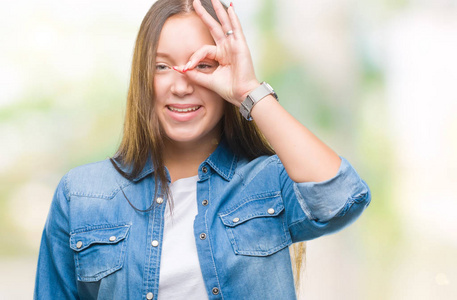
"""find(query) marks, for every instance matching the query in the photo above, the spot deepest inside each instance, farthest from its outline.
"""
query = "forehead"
(183, 34)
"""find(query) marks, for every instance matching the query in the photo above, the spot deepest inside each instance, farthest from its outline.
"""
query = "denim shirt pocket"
(99, 251)
(257, 227)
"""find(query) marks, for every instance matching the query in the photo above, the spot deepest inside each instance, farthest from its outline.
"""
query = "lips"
(183, 109)
(184, 112)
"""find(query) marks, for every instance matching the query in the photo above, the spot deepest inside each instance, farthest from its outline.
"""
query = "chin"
(192, 135)
(183, 136)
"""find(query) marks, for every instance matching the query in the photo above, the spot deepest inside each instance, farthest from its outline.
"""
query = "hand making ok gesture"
(234, 77)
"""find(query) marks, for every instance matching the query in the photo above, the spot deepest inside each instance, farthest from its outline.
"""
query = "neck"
(183, 159)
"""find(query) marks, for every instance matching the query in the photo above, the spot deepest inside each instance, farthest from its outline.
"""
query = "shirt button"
(112, 238)
(79, 244)
(205, 202)
(271, 211)
(215, 291)
(159, 200)
(205, 170)
(236, 220)
(154, 243)
(149, 296)
(202, 236)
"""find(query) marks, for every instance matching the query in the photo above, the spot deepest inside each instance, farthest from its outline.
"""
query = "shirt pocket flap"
(269, 206)
(81, 240)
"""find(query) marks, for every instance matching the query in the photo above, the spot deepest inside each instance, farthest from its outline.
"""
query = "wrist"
(252, 86)
(255, 96)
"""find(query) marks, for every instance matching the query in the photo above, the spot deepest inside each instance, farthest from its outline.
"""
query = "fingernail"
(187, 66)
(231, 4)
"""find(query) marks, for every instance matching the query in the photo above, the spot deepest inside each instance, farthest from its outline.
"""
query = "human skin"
(304, 156)
(188, 112)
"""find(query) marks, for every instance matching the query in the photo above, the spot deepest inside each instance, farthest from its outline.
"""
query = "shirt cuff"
(322, 201)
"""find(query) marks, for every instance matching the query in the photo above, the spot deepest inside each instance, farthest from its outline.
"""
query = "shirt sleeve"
(55, 276)
(317, 208)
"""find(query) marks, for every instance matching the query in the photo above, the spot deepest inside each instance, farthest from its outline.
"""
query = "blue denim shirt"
(96, 246)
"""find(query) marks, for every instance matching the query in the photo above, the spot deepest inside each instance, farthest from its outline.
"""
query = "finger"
(214, 27)
(200, 78)
(236, 25)
(207, 51)
(222, 15)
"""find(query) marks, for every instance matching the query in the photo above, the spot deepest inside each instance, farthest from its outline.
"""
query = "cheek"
(159, 95)
(161, 86)
(219, 109)
(219, 103)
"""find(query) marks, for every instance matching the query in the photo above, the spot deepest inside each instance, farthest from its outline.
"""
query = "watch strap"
(254, 97)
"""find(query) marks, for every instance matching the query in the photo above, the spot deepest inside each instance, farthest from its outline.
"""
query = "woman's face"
(189, 113)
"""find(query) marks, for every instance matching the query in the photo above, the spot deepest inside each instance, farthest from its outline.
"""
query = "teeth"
(183, 109)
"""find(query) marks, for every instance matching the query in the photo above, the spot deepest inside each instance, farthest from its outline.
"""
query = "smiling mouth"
(183, 110)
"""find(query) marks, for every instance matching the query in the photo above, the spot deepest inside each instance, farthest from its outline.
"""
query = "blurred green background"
(374, 79)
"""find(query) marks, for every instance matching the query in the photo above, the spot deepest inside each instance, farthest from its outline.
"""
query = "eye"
(162, 67)
(206, 67)
(203, 66)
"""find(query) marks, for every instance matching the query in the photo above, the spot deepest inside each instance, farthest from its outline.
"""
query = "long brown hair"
(143, 135)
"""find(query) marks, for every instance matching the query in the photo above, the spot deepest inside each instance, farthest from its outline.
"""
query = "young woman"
(195, 204)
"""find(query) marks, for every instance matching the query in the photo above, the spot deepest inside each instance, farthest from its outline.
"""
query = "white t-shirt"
(180, 274)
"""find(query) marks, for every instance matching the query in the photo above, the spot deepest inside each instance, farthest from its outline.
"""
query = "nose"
(181, 85)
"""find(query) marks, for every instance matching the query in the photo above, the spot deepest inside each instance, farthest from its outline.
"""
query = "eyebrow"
(162, 54)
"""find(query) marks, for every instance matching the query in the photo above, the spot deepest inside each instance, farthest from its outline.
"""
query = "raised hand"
(234, 77)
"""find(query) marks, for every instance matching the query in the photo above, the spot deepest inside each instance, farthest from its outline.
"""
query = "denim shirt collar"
(223, 161)
(147, 169)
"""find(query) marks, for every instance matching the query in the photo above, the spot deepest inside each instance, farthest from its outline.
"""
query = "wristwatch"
(255, 96)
